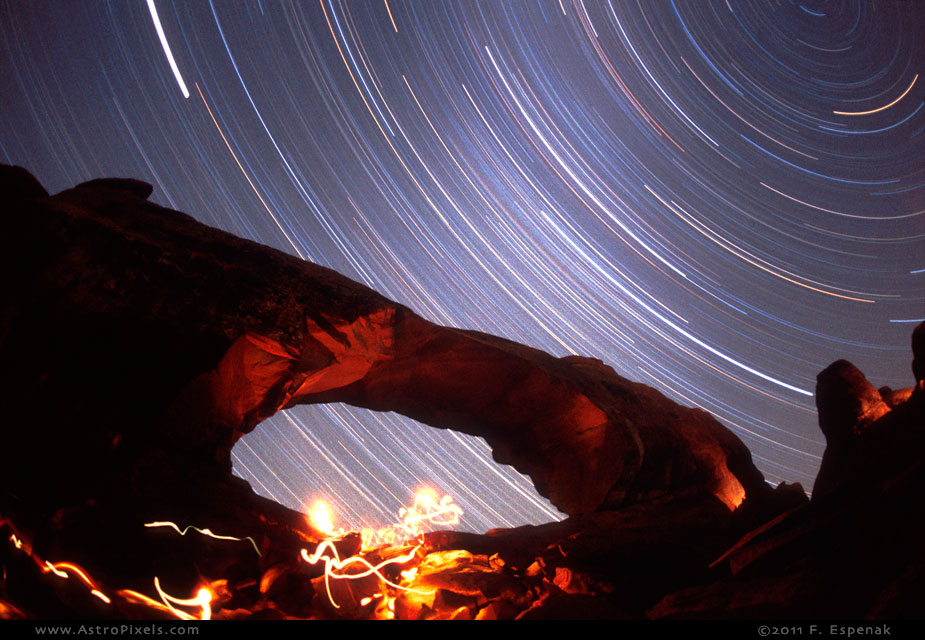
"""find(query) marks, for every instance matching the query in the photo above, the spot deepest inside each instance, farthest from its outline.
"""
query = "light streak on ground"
(205, 532)
(202, 600)
(426, 510)
(337, 569)
(65, 569)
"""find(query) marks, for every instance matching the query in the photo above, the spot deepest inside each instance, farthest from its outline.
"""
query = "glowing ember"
(321, 518)
(202, 599)
(64, 570)
(427, 511)
(337, 569)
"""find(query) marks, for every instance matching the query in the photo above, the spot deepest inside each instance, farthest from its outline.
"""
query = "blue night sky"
(718, 199)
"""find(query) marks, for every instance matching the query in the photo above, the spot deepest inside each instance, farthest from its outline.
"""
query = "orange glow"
(335, 568)
(321, 518)
(50, 567)
(202, 599)
(65, 570)
(60, 569)
(140, 598)
(365, 601)
(102, 596)
(427, 509)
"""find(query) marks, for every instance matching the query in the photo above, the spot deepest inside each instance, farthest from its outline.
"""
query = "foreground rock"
(138, 345)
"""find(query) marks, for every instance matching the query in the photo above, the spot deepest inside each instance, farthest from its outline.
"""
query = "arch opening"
(367, 465)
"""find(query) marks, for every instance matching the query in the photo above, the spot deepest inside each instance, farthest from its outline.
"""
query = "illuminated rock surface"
(138, 345)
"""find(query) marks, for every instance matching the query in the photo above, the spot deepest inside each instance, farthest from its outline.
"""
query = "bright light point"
(202, 599)
(321, 518)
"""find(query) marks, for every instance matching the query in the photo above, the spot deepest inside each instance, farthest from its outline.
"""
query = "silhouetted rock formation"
(190, 336)
(918, 353)
(856, 550)
(138, 345)
(848, 404)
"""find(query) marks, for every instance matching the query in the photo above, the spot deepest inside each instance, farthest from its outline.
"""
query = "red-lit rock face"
(272, 331)
(137, 345)
(587, 437)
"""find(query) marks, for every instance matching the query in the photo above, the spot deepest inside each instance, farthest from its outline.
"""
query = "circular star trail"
(718, 199)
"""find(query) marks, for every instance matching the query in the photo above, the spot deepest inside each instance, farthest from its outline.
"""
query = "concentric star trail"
(718, 199)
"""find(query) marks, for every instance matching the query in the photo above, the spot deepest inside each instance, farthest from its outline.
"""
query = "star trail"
(718, 199)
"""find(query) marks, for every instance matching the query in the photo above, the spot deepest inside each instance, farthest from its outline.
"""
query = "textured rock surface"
(145, 329)
(137, 345)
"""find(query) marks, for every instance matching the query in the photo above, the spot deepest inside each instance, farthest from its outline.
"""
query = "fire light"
(61, 569)
(321, 519)
(335, 568)
(202, 599)
(426, 509)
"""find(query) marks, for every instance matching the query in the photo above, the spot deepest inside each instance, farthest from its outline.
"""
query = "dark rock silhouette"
(918, 352)
(138, 345)
(848, 404)
(855, 551)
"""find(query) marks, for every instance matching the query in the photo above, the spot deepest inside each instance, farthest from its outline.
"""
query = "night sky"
(717, 199)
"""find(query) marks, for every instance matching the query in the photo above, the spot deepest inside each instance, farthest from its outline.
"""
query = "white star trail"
(717, 199)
